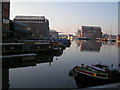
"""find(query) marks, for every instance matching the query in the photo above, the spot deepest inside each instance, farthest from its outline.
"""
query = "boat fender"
(94, 74)
(72, 73)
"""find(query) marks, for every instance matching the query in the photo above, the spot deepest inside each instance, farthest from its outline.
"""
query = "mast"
(111, 32)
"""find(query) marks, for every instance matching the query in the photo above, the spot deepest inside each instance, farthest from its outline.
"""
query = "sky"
(68, 16)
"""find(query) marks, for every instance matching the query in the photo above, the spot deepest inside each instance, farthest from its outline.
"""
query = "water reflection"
(117, 44)
(109, 43)
(87, 45)
(22, 62)
(51, 70)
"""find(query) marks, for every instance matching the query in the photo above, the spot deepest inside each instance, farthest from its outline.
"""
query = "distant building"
(63, 36)
(53, 34)
(20, 31)
(5, 20)
(118, 37)
(91, 32)
(38, 24)
(79, 33)
(113, 36)
(70, 36)
(107, 36)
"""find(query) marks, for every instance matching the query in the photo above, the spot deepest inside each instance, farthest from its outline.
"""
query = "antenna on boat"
(99, 61)
(111, 65)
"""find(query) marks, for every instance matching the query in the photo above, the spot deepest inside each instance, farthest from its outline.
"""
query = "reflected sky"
(53, 72)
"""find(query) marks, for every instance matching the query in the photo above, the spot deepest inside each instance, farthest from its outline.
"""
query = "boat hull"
(87, 76)
(91, 78)
(83, 80)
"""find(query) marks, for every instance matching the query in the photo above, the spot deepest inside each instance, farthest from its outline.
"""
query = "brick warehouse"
(91, 32)
(5, 20)
(39, 25)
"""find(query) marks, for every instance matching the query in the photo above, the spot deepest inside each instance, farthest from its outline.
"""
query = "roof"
(19, 23)
(93, 27)
(53, 31)
(30, 17)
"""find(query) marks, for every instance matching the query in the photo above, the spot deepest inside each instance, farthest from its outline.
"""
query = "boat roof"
(96, 68)
(13, 43)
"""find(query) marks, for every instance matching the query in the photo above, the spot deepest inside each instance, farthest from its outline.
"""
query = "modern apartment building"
(91, 32)
(39, 25)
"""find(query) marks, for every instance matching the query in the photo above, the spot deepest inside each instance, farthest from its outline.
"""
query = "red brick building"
(91, 32)
(39, 25)
(5, 20)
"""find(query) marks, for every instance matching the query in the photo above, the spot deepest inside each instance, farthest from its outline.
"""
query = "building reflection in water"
(22, 62)
(89, 45)
(117, 44)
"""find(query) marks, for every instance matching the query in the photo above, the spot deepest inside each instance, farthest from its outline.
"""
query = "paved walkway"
(113, 85)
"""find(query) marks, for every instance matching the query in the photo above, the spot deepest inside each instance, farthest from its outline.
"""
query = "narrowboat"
(96, 73)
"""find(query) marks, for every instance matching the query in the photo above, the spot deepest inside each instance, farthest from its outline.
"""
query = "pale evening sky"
(67, 17)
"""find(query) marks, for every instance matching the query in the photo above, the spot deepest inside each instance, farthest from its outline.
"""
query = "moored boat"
(94, 73)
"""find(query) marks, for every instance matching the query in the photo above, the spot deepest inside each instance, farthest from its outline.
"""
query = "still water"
(52, 71)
